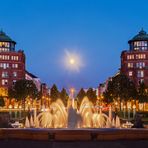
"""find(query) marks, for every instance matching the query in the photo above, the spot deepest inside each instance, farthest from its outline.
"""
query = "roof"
(141, 36)
(5, 38)
(31, 75)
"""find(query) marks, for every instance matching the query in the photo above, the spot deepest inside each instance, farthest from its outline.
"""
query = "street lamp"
(124, 109)
(20, 107)
(134, 110)
(129, 112)
(10, 112)
(15, 107)
(72, 90)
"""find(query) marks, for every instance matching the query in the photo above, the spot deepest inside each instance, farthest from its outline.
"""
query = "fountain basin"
(74, 134)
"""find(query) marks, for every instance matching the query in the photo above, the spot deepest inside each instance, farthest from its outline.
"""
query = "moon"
(73, 61)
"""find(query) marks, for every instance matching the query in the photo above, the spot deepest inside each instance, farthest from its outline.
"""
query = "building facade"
(134, 62)
(35, 79)
(12, 62)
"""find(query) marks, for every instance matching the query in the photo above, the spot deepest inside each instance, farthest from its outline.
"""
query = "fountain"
(58, 116)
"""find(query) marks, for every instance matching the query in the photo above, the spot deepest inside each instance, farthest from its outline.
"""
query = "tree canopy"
(142, 93)
(91, 94)
(81, 94)
(64, 96)
(120, 87)
(2, 102)
(22, 89)
(54, 93)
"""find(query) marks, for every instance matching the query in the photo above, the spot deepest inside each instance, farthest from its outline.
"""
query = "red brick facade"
(134, 62)
(12, 63)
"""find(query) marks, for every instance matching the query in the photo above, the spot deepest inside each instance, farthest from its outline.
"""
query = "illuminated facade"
(35, 79)
(12, 62)
(134, 62)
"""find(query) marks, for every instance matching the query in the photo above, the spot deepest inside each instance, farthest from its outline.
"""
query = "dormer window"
(139, 42)
(140, 45)
(6, 43)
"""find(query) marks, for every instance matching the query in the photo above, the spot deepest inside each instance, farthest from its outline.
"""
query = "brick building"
(12, 62)
(134, 62)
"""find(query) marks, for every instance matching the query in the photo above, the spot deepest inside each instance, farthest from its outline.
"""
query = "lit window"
(130, 73)
(142, 81)
(140, 45)
(140, 56)
(140, 65)
(4, 65)
(14, 81)
(130, 57)
(14, 58)
(4, 74)
(15, 74)
(130, 65)
(140, 74)
(14, 65)
(4, 82)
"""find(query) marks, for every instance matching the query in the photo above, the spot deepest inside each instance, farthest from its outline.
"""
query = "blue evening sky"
(97, 30)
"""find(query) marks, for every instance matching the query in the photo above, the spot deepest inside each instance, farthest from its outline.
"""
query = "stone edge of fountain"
(74, 134)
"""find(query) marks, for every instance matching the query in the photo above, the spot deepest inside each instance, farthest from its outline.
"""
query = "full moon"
(72, 61)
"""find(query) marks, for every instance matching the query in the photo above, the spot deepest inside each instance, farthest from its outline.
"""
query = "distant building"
(12, 62)
(103, 87)
(45, 90)
(134, 62)
(35, 79)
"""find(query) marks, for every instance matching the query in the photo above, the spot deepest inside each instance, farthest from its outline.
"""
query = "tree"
(81, 94)
(22, 89)
(64, 96)
(2, 102)
(142, 93)
(108, 95)
(120, 88)
(91, 94)
(54, 93)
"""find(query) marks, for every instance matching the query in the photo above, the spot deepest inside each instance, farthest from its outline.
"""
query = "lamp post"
(116, 104)
(134, 110)
(20, 112)
(15, 107)
(10, 111)
(129, 112)
(124, 110)
(72, 90)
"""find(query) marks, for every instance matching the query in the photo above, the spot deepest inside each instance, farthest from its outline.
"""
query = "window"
(4, 74)
(130, 57)
(14, 65)
(130, 73)
(14, 58)
(141, 80)
(140, 45)
(140, 74)
(4, 82)
(130, 65)
(14, 74)
(4, 44)
(140, 65)
(4, 57)
(140, 56)
(14, 81)
(4, 65)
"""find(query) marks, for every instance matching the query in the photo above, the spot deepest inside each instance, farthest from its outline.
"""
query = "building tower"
(12, 62)
(134, 62)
